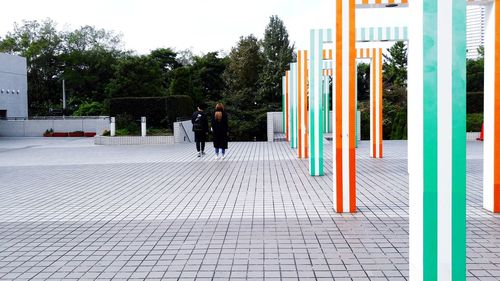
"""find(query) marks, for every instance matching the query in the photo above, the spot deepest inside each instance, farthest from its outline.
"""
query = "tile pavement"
(73, 211)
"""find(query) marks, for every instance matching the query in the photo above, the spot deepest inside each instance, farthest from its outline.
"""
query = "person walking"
(220, 130)
(200, 129)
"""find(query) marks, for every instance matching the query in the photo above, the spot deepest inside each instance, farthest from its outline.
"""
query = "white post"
(143, 126)
(112, 127)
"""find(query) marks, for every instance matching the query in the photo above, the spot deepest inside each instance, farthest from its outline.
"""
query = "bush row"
(159, 111)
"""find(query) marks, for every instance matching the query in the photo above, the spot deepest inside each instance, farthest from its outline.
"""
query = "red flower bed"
(89, 134)
(59, 134)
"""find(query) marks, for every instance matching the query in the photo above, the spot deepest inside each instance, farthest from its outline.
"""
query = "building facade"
(13, 86)
(476, 26)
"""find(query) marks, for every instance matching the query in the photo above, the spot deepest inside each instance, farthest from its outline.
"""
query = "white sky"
(200, 25)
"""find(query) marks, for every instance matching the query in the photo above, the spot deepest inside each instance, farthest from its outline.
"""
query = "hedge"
(475, 102)
(159, 111)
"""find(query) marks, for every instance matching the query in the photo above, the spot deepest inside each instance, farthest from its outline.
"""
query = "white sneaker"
(223, 156)
(199, 154)
(217, 157)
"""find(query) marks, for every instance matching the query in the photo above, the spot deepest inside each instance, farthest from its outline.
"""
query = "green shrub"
(89, 109)
(178, 106)
(475, 102)
(474, 122)
(159, 111)
(153, 108)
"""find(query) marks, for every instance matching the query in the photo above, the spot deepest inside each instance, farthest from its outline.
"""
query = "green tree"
(395, 92)
(208, 82)
(475, 73)
(182, 83)
(363, 81)
(277, 55)
(88, 58)
(137, 76)
(167, 58)
(41, 44)
(395, 65)
(242, 80)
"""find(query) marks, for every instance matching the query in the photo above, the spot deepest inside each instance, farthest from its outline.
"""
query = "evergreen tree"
(242, 80)
(278, 53)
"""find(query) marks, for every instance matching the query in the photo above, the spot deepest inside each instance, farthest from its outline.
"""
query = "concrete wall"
(183, 131)
(36, 128)
(133, 140)
(13, 85)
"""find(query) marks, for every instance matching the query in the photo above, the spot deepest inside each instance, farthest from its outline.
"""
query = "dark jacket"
(203, 119)
(220, 129)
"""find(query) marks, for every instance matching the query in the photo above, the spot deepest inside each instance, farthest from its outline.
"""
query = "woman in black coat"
(220, 130)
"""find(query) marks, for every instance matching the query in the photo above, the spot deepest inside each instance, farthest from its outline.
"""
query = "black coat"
(204, 123)
(220, 130)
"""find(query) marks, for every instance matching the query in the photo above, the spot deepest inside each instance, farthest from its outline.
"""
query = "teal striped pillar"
(293, 102)
(283, 100)
(326, 107)
(327, 74)
(436, 140)
(316, 103)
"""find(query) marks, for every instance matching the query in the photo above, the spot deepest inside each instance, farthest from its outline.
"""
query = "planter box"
(47, 135)
(59, 134)
(76, 134)
(133, 140)
(89, 134)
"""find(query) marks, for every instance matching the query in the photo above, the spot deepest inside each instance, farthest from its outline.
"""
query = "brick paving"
(74, 211)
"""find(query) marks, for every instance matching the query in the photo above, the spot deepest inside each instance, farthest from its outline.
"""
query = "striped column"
(436, 158)
(316, 103)
(491, 185)
(293, 105)
(376, 105)
(284, 105)
(287, 106)
(303, 124)
(327, 76)
(344, 166)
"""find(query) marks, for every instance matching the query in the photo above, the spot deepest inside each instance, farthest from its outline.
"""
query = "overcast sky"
(200, 25)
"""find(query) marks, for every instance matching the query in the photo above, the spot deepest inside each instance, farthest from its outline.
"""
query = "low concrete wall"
(133, 140)
(183, 131)
(274, 124)
(36, 128)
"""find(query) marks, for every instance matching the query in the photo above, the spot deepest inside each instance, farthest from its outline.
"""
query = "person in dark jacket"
(220, 130)
(200, 129)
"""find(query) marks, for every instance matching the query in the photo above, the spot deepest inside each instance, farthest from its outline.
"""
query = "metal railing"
(185, 133)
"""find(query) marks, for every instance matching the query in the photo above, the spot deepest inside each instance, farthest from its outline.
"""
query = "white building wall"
(13, 85)
(476, 20)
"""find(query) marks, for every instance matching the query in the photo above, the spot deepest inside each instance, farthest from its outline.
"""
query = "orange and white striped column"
(343, 105)
(376, 104)
(491, 183)
(302, 90)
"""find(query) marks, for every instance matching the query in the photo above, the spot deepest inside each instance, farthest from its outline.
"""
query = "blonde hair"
(218, 111)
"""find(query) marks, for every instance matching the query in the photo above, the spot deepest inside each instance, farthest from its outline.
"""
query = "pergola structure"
(436, 122)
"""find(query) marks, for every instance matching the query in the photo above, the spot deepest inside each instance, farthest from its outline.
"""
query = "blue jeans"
(222, 150)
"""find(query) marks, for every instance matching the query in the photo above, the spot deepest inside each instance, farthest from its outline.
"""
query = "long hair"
(219, 108)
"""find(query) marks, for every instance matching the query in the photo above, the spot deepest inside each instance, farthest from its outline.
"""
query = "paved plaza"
(71, 210)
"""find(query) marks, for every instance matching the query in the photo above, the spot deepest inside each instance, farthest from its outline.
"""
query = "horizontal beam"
(373, 34)
(404, 3)
(381, 3)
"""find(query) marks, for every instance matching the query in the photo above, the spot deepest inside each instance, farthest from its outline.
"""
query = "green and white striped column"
(327, 74)
(491, 149)
(316, 103)
(293, 102)
(436, 140)
(284, 103)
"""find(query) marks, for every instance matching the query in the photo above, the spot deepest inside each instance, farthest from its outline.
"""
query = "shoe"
(216, 156)
(203, 153)
(199, 154)
(223, 156)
